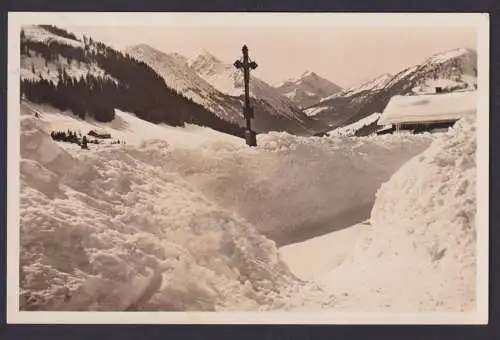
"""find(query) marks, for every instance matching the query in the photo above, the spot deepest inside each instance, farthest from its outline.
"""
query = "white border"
(475, 20)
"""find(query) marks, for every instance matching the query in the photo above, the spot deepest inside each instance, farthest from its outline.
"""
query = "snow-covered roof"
(429, 108)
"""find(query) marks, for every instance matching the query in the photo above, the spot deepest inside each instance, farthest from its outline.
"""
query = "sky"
(346, 55)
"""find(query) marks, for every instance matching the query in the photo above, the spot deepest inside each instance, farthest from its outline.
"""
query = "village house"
(427, 112)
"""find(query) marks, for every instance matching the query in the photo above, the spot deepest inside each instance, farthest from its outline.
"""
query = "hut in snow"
(428, 112)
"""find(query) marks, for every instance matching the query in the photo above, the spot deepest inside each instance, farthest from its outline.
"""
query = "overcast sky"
(345, 55)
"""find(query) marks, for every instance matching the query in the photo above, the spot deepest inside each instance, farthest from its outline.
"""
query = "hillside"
(184, 218)
(308, 89)
(180, 76)
(454, 70)
(273, 111)
(92, 79)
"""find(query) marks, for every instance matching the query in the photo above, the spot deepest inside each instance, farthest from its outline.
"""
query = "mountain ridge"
(308, 89)
(450, 70)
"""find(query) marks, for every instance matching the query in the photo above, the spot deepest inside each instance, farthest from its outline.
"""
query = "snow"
(351, 129)
(421, 252)
(324, 252)
(111, 228)
(447, 55)
(373, 85)
(229, 80)
(422, 108)
(178, 75)
(417, 252)
(50, 70)
(401, 75)
(37, 33)
(129, 128)
(313, 111)
(169, 221)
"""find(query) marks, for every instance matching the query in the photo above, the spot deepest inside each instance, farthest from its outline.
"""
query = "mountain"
(308, 89)
(372, 85)
(218, 87)
(89, 78)
(453, 70)
(180, 76)
(272, 109)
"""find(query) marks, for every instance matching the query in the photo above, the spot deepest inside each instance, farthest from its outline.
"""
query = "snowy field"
(173, 219)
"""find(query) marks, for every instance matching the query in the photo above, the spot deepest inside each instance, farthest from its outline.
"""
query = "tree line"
(133, 86)
(77, 138)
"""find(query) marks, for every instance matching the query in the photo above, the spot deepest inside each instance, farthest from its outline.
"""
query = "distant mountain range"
(454, 70)
(204, 90)
(308, 89)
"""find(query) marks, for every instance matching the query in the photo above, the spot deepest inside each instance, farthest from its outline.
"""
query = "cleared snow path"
(419, 255)
(187, 203)
(324, 253)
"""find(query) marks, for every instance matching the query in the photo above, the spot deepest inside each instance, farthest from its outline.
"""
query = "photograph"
(248, 168)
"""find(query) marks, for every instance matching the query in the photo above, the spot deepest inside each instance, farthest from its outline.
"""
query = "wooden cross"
(246, 65)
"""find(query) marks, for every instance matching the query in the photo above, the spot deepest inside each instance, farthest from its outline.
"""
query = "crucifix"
(246, 64)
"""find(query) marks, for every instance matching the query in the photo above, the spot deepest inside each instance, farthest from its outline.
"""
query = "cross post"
(246, 64)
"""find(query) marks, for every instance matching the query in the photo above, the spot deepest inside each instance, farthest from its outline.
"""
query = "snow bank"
(141, 224)
(111, 229)
(293, 188)
(351, 129)
(421, 253)
(421, 108)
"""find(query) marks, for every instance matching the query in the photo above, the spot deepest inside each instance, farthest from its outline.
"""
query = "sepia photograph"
(248, 167)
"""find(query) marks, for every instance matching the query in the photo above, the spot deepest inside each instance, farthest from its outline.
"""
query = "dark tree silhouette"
(130, 85)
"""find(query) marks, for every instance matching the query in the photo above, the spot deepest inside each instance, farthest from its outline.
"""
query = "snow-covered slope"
(180, 76)
(112, 229)
(451, 70)
(171, 219)
(454, 70)
(352, 129)
(217, 86)
(308, 89)
(37, 33)
(373, 85)
(421, 252)
(35, 67)
(227, 79)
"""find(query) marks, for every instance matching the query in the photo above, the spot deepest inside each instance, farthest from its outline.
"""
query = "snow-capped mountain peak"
(451, 54)
(308, 89)
(375, 84)
(205, 61)
(178, 75)
(308, 74)
(447, 71)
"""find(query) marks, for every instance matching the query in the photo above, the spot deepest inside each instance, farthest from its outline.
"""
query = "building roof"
(429, 108)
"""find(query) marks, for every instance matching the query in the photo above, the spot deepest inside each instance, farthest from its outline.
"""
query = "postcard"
(283, 168)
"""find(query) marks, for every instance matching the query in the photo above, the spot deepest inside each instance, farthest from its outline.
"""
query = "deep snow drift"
(420, 254)
(170, 220)
(294, 188)
(111, 229)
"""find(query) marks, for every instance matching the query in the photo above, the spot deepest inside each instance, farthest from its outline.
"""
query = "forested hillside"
(128, 85)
